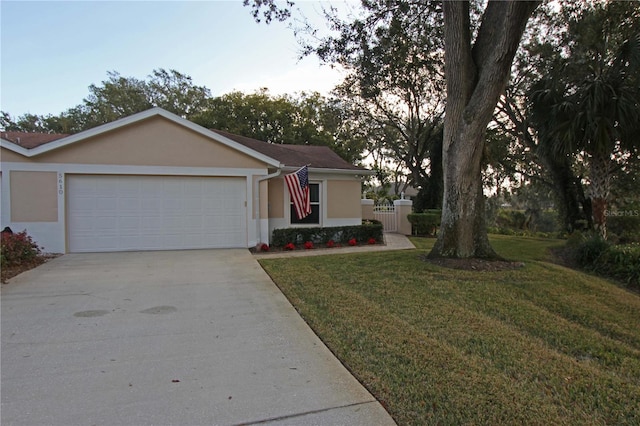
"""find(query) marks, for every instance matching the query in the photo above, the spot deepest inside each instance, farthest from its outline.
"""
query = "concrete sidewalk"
(198, 337)
(392, 241)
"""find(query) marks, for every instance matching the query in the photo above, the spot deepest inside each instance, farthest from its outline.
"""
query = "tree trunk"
(599, 188)
(430, 194)
(476, 76)
(567, 190)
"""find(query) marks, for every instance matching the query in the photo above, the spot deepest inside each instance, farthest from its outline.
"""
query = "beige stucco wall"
(367, 209)
(34, 196)
(276, 198)
(343, 199)
(12, 157)
(264, 199)
(152, 142)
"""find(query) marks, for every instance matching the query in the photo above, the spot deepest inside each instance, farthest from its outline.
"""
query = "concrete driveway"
(198, 337)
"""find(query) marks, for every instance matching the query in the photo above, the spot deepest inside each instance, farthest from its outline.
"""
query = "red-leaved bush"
(17, 248)
(308, 245)
(289, 246)
(264, 247)
(353, 242)
(331, 244)
(372, 241)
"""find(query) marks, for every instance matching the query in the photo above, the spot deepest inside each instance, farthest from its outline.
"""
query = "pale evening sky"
(51, 51)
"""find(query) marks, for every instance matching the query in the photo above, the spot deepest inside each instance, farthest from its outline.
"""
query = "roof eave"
(322, 170)
(11, 146)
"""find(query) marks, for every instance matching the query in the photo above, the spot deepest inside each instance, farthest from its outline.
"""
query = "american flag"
(298, 184)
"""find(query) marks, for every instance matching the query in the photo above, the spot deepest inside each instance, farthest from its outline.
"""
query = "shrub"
(337, 234)
(625, 227)
(353, 242)
(308, 245)
(425, 223)
(588, 252)
(17, 248)
(594, 254)
(331, 244)
(621, 262)
(511, 219)
(289, 246)
(524, 222)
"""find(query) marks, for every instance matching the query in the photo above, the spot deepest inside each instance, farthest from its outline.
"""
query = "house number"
(60, 184)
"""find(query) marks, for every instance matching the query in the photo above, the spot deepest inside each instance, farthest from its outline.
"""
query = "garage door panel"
(129, 224)
(106, 224)
(103, 203)
(128, 204)
(116, 213)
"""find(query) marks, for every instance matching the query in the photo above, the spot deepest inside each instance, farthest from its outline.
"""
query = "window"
(314, 217)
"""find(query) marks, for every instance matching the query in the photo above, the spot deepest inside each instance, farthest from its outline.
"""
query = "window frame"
(293, 219)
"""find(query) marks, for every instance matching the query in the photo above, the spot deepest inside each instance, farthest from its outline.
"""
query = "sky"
(51, 51)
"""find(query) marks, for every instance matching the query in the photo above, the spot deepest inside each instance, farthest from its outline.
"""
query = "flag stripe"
(298, 184)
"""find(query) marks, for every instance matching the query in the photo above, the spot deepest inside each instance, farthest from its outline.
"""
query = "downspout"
(272, 175)
(267, 177)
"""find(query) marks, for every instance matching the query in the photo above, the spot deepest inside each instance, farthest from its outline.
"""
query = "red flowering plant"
(289, 246)
(353, 242)
(308, 245)
(372, 241)
(17, 248)
(331, 244)
(264, 247)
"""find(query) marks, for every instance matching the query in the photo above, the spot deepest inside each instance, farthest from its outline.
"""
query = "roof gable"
(66, 141)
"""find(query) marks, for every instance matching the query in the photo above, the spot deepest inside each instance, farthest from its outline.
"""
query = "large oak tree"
(476, 72)
(476, 75)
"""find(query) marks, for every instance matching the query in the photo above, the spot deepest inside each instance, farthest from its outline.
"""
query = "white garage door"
(119, 213)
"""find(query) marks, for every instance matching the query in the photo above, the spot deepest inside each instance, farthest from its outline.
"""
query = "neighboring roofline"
(69, 140)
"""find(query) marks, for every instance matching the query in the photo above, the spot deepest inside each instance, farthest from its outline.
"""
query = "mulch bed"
(9, 271)
(319, 247)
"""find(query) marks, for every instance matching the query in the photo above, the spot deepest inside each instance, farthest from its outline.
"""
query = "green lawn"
(539, 345)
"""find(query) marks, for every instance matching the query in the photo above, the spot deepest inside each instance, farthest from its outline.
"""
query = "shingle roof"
(321, 157)
(31, 140)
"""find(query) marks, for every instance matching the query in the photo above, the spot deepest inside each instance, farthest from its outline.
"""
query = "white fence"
(386, 213)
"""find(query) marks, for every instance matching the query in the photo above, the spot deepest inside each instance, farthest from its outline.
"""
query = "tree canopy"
(305, 118)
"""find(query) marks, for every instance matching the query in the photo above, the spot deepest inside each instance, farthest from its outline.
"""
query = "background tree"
(309, 118)
(305, 118)
(587, 107)
(393, 56)
(176, 92)
(115, 98)
(559, 54)
(118, 97)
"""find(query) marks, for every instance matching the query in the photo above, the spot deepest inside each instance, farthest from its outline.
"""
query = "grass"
(538, 345)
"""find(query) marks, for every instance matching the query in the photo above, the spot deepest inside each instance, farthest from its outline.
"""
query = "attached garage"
(120, 213)
(155, 181)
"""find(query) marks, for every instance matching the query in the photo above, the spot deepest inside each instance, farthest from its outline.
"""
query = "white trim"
(109, 169)
(53, 235)
(14, 147)
(240, 214)
(78, 137)
(340, 172)
(322, 202)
